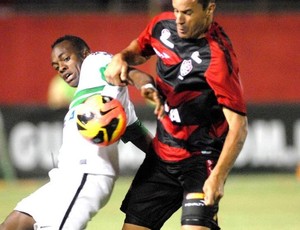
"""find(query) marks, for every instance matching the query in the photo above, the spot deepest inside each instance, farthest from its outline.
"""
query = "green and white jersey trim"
(82, 95)
(92, 80)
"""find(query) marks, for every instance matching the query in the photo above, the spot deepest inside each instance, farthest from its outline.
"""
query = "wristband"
(149, 86)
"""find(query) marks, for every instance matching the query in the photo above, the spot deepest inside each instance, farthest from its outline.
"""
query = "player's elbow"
(243, 132)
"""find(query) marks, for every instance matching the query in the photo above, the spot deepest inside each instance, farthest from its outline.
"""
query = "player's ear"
(210, 8)
(85, 53)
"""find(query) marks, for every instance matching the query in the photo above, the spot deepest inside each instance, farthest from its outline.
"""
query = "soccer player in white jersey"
(84, 179)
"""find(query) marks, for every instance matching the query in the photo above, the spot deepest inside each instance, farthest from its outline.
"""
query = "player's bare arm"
(132, 54)
(138, 78)
(146, 84)
(117, 71)
(150, 93)
(238, 128)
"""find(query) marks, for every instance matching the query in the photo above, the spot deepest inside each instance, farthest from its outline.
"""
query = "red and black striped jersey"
(196, 78)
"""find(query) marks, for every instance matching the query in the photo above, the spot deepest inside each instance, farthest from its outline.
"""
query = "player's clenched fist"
(116, 71)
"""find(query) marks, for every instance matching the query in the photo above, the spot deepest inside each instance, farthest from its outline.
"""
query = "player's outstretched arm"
(235, 139)
(146, 84)
(149, 92)
(117, 71)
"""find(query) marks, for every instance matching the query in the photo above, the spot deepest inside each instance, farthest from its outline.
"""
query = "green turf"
(251, 202)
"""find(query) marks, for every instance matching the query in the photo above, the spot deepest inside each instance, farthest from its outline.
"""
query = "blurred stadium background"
(265, 35)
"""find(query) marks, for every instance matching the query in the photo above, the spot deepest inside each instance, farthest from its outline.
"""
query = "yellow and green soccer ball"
(101, 120)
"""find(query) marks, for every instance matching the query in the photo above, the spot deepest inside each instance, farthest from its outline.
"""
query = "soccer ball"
(101, 120)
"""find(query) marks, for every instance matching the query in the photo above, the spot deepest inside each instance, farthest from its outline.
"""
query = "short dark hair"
(205, 3)
(78, 43)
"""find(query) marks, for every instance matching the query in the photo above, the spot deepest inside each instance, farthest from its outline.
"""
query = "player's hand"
(213, 189)
(116, 71)
(150, 93)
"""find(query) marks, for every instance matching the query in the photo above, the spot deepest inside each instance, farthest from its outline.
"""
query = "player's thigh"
(154, 196)
(93, 196)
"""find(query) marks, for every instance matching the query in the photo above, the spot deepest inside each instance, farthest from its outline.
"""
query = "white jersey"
(76, 152)
(86, 173)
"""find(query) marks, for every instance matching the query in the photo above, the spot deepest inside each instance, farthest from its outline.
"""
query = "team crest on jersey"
(185, 68)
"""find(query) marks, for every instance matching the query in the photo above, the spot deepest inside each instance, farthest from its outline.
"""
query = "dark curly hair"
(78, 43)
(205, 3)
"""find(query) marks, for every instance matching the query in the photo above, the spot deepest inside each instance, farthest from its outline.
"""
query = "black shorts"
(159, 189)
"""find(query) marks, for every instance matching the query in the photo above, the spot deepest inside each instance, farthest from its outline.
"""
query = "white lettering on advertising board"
(32, 146)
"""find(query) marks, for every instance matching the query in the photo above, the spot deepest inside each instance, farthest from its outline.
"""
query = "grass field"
(251, 202)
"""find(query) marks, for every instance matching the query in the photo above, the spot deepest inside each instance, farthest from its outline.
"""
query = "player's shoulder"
(99, 57)
(101, 54)
(217, 35)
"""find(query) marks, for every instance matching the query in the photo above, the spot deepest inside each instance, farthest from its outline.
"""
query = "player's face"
(191, 19)
(67, 62)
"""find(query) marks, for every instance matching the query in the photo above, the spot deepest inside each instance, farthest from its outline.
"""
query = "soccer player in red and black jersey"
(204, 126)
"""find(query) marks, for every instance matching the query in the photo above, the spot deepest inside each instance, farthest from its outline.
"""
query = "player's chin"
(73, 83)
(181, 33)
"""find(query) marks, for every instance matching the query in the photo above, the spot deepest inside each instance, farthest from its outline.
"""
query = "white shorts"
(68, 201)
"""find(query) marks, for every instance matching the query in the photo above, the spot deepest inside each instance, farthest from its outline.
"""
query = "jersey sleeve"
(134, 131)
(223, 77)
(145, 38)
(144, 41)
